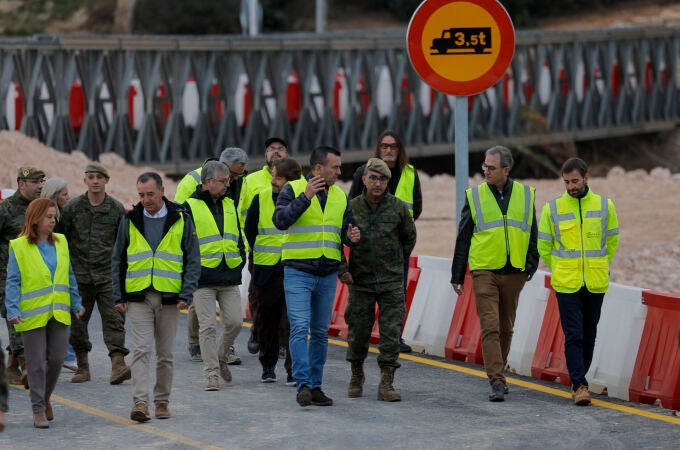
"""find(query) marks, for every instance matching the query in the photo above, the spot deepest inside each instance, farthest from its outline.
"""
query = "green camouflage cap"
(30, 173)
(98, 168)
(380, 166)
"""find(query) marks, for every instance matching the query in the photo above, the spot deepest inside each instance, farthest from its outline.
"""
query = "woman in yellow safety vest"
(40, 295)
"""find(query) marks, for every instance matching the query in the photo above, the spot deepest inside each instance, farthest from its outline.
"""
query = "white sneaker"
(232, 358)
(213, 383)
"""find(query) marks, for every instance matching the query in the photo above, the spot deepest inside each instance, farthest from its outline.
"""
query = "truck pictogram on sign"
(462, 41)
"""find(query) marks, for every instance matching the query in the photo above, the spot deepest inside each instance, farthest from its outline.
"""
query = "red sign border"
(460, 88)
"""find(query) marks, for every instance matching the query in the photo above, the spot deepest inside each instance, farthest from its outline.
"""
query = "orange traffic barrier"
(549, 362)
(464, 341)
(338, 326)
(656, 374)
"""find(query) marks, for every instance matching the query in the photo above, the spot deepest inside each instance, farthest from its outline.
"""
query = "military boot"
(119, 371)
(24, 372)
(12, 370)
(386, 392)
(356, 382)
(83, 373)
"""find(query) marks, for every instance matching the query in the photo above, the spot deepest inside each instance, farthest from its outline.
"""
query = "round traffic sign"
(461, 47)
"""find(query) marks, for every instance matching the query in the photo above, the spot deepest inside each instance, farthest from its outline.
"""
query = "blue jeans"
(579, 314)
(309, 302)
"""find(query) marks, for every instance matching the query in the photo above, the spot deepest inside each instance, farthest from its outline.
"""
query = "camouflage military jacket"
(91, 233)
(388, 235)
(12, 219)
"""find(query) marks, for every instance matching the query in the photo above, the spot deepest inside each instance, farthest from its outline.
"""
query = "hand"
(15, 320)
(3, 421)
(458, 288)
(182, 305)
(315, 184)
(346, 278)
(353, 233)
(80, 313)
(121, 307)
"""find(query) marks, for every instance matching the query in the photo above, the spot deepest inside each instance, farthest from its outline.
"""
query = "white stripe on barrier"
(243, 288)
(430, 315)
(530, 311)
(618, 338)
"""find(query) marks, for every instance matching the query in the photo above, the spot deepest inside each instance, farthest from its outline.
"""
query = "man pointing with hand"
(318, 220)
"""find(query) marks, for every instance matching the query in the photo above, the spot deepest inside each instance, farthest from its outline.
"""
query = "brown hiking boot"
(12, 370)
(581, 396)
(162, 410)
(386, 391)
(356, 382)
(49, 412)
(140, 412)
(83, 373)
(40, 421)
(119, 371)
(24, 373)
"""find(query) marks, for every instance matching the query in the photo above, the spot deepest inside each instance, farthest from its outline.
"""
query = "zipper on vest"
(583, 255)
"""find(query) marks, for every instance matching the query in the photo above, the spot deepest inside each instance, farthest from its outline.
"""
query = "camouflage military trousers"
(113, 322)
(16, 345)
(360, 317)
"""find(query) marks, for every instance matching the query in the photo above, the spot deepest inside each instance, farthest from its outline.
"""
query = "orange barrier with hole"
(464, 341)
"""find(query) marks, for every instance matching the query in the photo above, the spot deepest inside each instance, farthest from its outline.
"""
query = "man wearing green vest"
(267, 274)
(318, 219)
(577, 238)
(497, 237)
(222, 259)
(155, 267)
(403, 184)
(236, 160)
(275, 149)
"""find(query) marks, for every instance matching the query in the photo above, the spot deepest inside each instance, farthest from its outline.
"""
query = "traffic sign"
(461, 47)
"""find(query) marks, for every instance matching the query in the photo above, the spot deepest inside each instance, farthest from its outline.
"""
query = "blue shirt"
(13, 285)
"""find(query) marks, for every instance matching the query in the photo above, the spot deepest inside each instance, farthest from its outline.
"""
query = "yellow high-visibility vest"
(41, 298)
(405, 187)
(269, 240)
(213, 246)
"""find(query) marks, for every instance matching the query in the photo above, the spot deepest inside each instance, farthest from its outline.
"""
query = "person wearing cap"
(275, 148)
(236, 160)
(375, 277)
(403, 184)
(90, 224)
(30, 182)
(497, 238)
(318, 219)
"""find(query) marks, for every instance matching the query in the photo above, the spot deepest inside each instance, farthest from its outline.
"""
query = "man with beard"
(577, 238)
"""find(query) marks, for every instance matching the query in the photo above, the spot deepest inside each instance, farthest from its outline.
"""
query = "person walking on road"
(578, 237)
(155, 267)
(497, 237)
(90, 223)
(317, 218)
(222, 259)
(375, 277)
(40, 296)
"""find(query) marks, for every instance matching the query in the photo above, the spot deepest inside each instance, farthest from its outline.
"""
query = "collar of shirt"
(159, 215)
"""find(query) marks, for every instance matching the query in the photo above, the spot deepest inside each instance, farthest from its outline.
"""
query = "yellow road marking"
(525, 384)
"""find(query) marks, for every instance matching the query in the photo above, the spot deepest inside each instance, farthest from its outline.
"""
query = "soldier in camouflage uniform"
(90, 223)
(376, 275)
(30, 181)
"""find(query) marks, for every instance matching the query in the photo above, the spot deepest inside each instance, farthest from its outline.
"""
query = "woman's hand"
(15, 320)
(80, 313)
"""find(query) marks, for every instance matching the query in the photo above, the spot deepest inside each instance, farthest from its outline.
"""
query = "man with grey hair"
(236, 160)
(222, 258)
(497, 236)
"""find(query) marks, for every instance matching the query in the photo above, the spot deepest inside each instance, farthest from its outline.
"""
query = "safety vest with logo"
(267, 249)
(317, 231)
(585, 240)
(214, 246)
(497, 237)
(405, 187)
(41, 298)
(162, 268)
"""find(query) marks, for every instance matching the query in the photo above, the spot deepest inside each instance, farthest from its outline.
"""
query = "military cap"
(30, 173)
(96, 167)
(378, 165)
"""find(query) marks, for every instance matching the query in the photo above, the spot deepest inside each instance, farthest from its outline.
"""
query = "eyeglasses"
(488, 167)
(236, 175)
(277, 149)
(387, 145)
(379, 179)
(224, 181)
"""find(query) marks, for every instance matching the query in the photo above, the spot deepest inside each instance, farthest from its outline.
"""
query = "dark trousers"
(272, 329)
(579, 314)
(253, 301)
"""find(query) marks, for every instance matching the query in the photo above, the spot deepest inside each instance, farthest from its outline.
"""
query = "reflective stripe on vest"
(213, 246)
(317, 231)
(267, 249)
(161, 269)
(579, 253)
(41, 298)
(496, 236)
(405, 187)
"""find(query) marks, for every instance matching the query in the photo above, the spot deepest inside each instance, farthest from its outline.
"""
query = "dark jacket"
(358, 188)
(388, 235)
(221, 275)
(12, 219)
(192, 256)
(288, 209)
(466, 229)
(261, 274)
